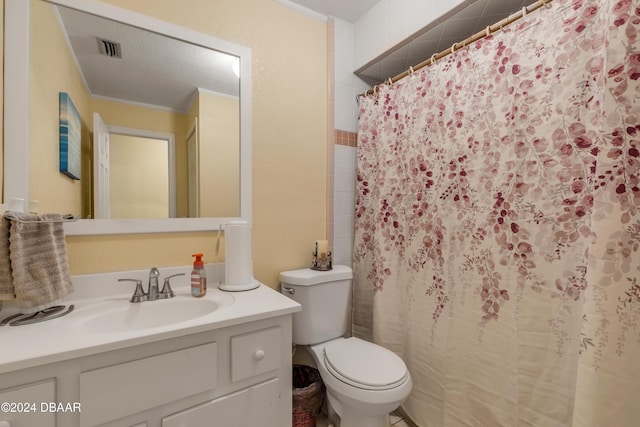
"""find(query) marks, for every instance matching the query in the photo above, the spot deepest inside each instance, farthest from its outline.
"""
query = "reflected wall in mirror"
(142, 80)
(190, 86)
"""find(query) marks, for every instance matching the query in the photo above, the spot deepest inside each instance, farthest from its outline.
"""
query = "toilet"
(364, 381)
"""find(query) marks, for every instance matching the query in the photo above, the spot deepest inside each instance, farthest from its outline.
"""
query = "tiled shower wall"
(344, 183)
(344, 88)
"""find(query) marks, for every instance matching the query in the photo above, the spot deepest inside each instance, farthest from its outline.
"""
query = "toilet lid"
(364, 365)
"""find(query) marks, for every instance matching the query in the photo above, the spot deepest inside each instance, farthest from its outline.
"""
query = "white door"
(100, 168)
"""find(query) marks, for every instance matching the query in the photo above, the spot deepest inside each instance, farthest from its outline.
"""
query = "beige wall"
(289, 141)
(193, 136)
(219, 155)
(52, 70)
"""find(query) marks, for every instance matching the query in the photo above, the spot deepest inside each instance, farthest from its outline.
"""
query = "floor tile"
(395, 421)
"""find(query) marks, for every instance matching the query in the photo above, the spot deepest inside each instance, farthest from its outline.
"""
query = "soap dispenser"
(198, 278)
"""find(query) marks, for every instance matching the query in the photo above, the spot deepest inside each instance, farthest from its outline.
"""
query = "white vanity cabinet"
(253, 355)
(234, 376)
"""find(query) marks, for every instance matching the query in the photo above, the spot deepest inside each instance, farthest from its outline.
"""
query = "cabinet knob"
(259, 355)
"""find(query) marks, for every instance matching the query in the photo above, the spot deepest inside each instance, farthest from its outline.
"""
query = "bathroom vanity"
(222, 360)
(229, 367)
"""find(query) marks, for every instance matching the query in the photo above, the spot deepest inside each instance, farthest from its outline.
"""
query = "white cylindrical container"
(238, 257)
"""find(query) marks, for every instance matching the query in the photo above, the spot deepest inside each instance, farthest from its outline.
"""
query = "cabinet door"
(255, 406)
(25, 409)
(255, 353)
(131, 387)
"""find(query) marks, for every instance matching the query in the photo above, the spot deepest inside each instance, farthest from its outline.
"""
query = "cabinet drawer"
(128, 388)
(30, 394)
(255, 353)
(255, 406)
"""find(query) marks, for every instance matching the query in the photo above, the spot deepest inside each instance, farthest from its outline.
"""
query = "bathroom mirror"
(224, 195)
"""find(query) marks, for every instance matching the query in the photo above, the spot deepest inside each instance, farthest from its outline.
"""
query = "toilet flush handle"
(289, 290)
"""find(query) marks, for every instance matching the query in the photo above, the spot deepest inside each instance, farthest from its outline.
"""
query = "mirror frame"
(16, 117)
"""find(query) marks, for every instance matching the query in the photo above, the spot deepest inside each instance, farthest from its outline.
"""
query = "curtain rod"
(479, 35)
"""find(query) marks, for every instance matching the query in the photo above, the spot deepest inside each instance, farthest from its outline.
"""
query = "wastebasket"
(308, 395)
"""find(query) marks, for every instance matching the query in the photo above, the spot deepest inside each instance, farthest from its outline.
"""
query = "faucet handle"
(138, 295)
(167, 292)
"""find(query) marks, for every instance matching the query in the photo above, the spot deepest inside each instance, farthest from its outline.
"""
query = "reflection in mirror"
(139, 187)
(163, 84)
(181, 84)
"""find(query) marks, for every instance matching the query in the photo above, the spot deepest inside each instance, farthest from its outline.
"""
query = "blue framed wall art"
(70, 137)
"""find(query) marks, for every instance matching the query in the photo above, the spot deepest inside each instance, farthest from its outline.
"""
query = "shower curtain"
(497, 235)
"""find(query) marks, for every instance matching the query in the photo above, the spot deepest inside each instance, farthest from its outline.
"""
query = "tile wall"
(344, 88)
(344, 183)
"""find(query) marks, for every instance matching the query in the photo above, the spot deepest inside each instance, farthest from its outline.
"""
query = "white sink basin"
(121, 316)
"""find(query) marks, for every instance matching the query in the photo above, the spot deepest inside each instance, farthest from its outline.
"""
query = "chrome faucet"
(153, 293)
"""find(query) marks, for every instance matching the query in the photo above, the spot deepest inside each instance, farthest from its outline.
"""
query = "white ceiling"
(459, 24)
(347, 10)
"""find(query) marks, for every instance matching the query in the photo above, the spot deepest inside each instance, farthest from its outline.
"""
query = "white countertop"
(64, 338)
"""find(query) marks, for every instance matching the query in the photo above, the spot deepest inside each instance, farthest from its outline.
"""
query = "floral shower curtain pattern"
(497, 245)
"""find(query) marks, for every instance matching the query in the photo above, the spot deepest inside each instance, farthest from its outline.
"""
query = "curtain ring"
(389, 81)
(375, 89)
(547, 3)
(453, 47)
(411, 71)
(433, 58)
(487, 31)
(524, 11)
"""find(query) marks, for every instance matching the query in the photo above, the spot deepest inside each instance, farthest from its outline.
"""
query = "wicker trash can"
(308, 395)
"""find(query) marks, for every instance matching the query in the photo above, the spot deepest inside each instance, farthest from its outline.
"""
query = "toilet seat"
(364, 365)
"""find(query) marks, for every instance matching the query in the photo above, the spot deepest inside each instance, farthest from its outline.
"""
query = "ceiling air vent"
(109, 48)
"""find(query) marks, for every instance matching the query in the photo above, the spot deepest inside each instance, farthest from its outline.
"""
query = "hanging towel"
(7, 291)
(38, 259)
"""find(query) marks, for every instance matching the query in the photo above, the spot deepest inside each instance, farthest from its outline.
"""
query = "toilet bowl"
(364, 381)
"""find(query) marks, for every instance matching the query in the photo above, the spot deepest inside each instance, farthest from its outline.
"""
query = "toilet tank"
(325, 297)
